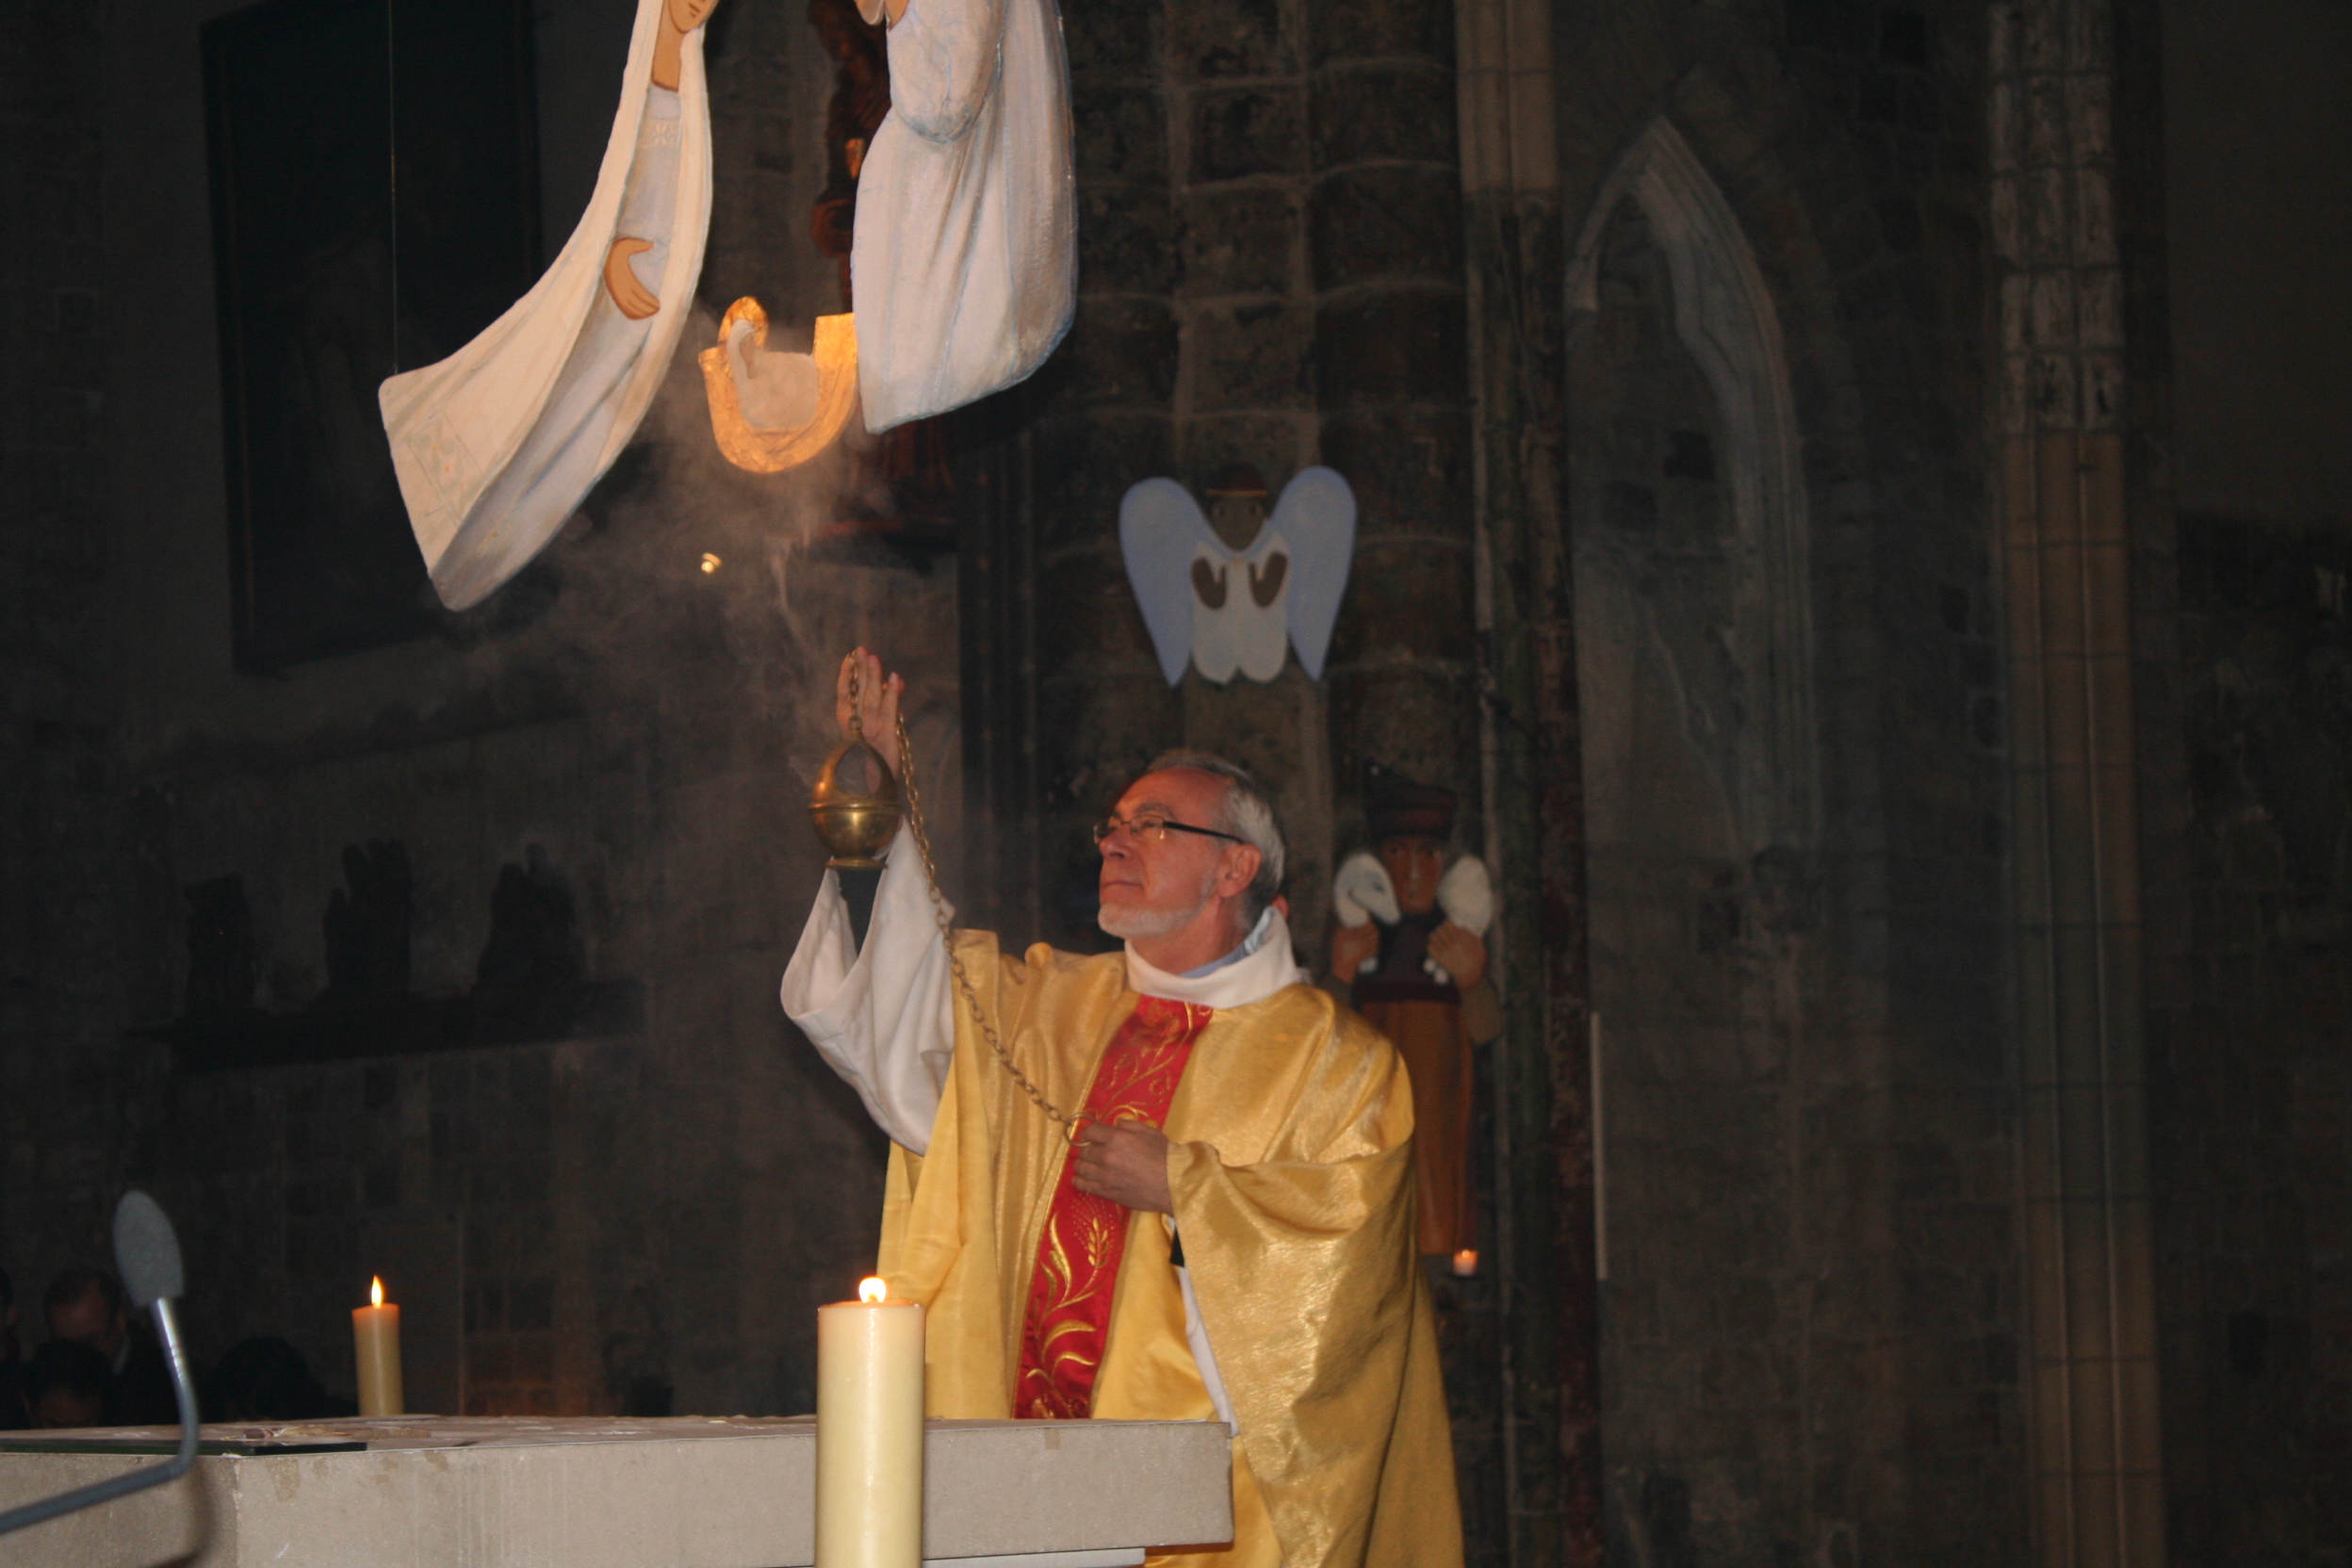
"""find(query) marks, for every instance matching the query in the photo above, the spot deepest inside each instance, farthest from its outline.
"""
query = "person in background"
(268, 1379)
(13, 1415)
(66, 1384)
(87, 1306)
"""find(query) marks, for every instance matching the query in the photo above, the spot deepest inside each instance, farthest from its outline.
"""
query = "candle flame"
(375, 1292)
(710, 563)
(874, 1291)
(1465, 1264)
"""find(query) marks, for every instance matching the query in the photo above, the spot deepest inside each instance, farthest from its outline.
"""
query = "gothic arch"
(1724, 316)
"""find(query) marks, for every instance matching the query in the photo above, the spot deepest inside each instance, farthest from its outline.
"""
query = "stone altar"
(688, 1491)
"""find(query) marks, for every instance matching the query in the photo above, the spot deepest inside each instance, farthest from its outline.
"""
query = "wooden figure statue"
(1410, 952)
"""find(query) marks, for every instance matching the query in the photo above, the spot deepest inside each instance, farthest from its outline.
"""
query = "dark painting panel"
(375, 202)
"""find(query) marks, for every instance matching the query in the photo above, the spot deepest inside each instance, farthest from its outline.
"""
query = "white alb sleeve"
(879, 1014)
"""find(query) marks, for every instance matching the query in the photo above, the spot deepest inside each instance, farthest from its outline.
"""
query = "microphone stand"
(183, 1388)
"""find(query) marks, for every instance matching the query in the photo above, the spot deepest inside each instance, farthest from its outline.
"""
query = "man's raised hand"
(877, 703)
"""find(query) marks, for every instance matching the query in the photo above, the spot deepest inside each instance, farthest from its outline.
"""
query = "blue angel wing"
(1317, 516)
(1160, 531)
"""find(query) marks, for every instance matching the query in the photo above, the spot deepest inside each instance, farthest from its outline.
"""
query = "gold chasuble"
(1291, 1166)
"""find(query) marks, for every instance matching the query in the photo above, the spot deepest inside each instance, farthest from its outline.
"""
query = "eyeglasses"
(1153, 828)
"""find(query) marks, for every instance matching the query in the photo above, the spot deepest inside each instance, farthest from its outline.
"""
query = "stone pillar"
(1065, 701)
(1529, 737)
(1271, 274)
(1242, 166)
(1390, 362)
(2066, 540)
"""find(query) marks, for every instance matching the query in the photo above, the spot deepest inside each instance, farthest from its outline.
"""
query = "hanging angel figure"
(963, 261)
(1235, 590)
(965, 274)
(496, 445)
(1410, 955)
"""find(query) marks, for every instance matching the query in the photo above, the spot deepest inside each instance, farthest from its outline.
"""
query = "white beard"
(1129, 924)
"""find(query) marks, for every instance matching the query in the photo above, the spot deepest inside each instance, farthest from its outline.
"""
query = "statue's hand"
(1264, 589)
(877, 703)
(1209, 583)
(1462, 954)
(633, 299)
(1352, 947)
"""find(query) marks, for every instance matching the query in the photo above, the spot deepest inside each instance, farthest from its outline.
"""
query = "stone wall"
(69, 1081)
(2247, 796)
(2250, 1082)
(1810, 1348)
(1269, 272)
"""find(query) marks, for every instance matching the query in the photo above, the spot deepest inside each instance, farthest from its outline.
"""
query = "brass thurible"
(855, 804)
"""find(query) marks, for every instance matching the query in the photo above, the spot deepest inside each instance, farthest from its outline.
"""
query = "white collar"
(1250, 943)
(1251, 978)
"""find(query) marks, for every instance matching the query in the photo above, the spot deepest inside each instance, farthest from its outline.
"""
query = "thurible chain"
(947, 932)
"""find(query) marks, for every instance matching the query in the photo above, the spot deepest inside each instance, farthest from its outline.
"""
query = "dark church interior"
(1854, 511)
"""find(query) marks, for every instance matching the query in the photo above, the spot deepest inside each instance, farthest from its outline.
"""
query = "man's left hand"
(1126, 1164)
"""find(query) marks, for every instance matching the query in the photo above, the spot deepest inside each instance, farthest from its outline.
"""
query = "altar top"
(679, 1492)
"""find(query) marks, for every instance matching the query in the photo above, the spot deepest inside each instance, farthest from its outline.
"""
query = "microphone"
(147, 1254)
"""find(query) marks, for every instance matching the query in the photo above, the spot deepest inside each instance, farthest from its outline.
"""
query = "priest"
(1171, 1183)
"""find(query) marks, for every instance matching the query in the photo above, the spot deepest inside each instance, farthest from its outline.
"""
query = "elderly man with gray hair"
(1174, 1181)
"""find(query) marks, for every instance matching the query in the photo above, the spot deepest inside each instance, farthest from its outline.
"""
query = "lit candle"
(870, 1432)
(376, 1339)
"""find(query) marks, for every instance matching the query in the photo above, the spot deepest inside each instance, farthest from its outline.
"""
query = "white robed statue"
(496, 444)
(964, 262)
(963, 255)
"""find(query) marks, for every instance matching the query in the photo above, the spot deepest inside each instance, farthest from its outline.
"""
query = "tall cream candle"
(376, 1341)
(870, 1432)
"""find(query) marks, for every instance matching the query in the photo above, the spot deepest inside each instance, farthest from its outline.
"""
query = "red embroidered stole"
(1068, 1313)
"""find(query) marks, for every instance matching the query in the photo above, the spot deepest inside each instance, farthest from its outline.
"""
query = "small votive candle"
(376, 1343)
(870, 1432)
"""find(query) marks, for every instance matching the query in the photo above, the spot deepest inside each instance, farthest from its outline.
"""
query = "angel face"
(1414, 866)
(1150, 887)
(1238, 519)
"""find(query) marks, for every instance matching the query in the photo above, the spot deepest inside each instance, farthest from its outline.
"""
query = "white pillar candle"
(376, 1340)
(870, 1432)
